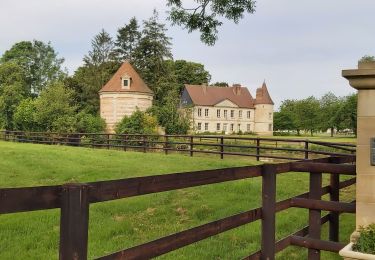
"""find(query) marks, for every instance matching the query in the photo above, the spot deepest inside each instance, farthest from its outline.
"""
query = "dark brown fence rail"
(270, 148)
(74, 200)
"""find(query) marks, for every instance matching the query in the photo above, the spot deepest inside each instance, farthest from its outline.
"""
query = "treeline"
(336, 114)
(37, 94)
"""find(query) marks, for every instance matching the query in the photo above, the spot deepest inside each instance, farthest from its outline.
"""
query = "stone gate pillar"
(363, 79)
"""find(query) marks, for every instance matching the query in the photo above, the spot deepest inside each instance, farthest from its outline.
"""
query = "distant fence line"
(258, 147)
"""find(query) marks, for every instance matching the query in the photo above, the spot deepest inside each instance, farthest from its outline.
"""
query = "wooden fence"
(273, 148)
(74, 200)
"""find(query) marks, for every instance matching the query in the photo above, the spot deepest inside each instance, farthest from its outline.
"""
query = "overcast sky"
(298, 47)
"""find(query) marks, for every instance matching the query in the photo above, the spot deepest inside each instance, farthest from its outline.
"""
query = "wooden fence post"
(191, 145)
(144, 143)
(222, 147)
(334, 216)
(306, 149)
(268, 212)
(315, 214)
(74, 222)
(107, 141)
(125, 142)
(166, 144)
(258, 149)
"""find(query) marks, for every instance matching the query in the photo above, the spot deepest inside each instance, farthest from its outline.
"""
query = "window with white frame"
(199, 112)
(248, 127)
(199, 126)
(218, 113)
(248, 114)
(205, 126)
(225, 113)
(232, 113)
(225, 126)
(239, 113)
(206, 112)
(239, 127)
(125, 81)
(269, 116)
(231, 127)
(218, 126)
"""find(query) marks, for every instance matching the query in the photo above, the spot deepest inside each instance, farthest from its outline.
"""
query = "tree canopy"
(205, 16)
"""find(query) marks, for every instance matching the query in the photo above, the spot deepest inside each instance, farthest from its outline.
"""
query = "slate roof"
(137, 84)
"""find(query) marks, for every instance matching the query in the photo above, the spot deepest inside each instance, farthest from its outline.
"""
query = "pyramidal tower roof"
(263, 96)
(136, 85)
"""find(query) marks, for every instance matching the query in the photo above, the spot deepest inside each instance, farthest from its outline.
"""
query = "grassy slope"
(118, 224)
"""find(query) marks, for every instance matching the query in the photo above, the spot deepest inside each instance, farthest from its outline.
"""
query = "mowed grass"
(128, 222)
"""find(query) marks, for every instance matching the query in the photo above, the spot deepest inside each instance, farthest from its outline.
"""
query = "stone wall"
(114, 106)
(264, 119)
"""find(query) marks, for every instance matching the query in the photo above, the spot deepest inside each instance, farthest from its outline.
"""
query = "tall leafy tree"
(99, 65)
(127, 40)
(307, 113)
(103, 49)
(187, 72)
(347, 114)
(153, 49)
(39, 62)
(329, 105)
(13, 89)
(205, 16)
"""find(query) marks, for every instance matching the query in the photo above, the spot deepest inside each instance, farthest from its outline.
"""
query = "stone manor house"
(229, 109)
(214, 109)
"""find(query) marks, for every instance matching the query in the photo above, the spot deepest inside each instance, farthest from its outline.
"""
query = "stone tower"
(123, 94)
(263, 111)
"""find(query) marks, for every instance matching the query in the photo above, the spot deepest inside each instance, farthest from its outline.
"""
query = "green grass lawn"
(127, 222)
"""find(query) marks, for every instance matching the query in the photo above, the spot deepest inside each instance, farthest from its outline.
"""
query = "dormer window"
(125, 81)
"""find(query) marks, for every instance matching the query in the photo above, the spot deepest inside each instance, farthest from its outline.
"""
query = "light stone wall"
(264, 119)
(365, 172)
(114, 106)
(212, 119)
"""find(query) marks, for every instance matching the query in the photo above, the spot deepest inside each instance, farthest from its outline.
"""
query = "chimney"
(204, 87)
(237, 89)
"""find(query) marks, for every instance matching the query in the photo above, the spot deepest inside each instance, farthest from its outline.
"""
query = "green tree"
(87, 123)
(138, 123)
(55, 110)
(99, 66)
(205, 17)
(288, 109)
(10, 97)
(282, 121)
(103, 49)
(153, 49)
(25, 116)
(307, 114)
(220, 84)
(174, 120)
(187, 72)
(86, 83)
(39, 62)
(127, 40)
(347, 114)
(329, 105)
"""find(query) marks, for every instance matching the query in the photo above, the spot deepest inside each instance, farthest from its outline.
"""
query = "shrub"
(366, 241)
(87, 123)
(138, 123)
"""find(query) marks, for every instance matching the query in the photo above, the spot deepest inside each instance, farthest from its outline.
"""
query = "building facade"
(123, 94)
(229, 109)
